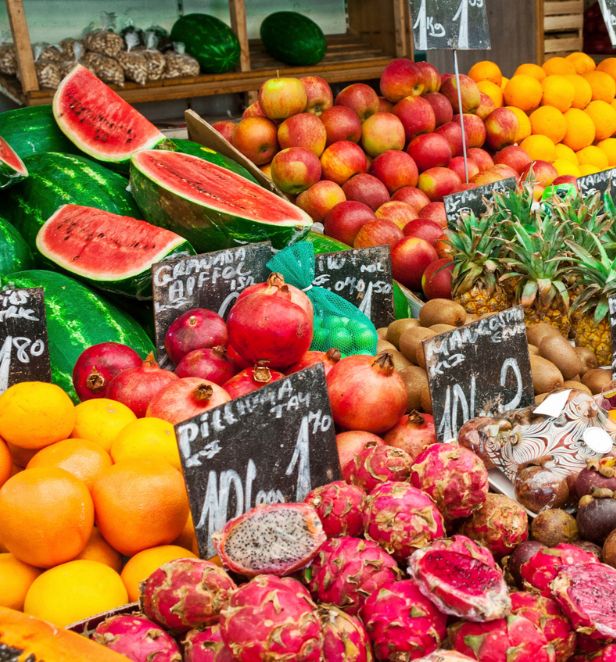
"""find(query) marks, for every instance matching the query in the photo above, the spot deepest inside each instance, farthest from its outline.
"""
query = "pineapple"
(515, 205)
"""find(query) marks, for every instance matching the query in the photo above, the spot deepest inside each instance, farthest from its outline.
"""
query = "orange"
(602, 84)
(566, 168)
(608, 65)
(558, 91)
(140, 504)
(524, 128)
(524, 92)
(80, 457)
(580, 130)
(46, 516)
(486, 70)
(588, 169)
(101, 420)
(583, 91)
(549, 121)
(609, 149)
(142, 565)
(493, 91)
(603, 116)
(530, 69)
(35, 414)
(147, 438)
(6, 463)
(558, 66)
(504, 82)
(539, 148)
(73, 591)
(21, 456)
(582, 62)
(564, 153)
(98, 549)
(15, 580)
(594, 156)
(187, 538)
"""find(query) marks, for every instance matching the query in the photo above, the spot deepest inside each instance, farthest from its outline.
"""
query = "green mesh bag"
(337, 323)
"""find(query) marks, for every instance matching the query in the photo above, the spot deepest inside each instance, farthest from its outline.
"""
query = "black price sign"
(361, 276)
(612, 304)
(608, 10)
(480, 369)
(475, 200)
(450, 24)
(601, 182)
(24, 352)
(270, 446)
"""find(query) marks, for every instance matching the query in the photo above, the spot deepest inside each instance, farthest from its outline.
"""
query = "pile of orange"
(92, 501)
(566, 109)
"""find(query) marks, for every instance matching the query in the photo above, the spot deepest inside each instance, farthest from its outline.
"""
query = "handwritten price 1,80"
(23, 349)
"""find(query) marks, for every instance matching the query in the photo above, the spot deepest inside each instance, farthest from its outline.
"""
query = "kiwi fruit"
(381, 332)
(442, 311)
(425, 399)
(420, 356)
(597, 379)
(560, 352)
(384, 345)
(411, 339)
(533, 349)
(546, 376)
(442, 328)
(398, 327)
(588, 358)
(540, 398)
(572, 383)
(537, 332)
(400, 361)
(416, 380)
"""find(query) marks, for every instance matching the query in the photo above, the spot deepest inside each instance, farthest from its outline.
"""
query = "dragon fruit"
(402, 624)
(340, 507)
(206, 646)
(186, 593)
(272, 618)
(347, 570)
(401, 518)
(377, 463)
(277, 539)
(543, 566)
(454, 477)
(441, 655)
(344, 637)
(500, 524)
(460, 579)
(547, 616)
(511, 639)
(138, 638)
(607, 654)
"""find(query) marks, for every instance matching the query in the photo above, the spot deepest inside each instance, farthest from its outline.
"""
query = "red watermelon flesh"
(99, 121)
(12, 168)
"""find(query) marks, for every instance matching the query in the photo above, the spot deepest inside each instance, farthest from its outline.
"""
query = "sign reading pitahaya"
(474, 200)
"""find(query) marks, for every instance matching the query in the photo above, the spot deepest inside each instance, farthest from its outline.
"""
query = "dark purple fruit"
(538, 488)
(520, 555)
(608, 554)
(553, 526)
(598, 473)
(596, 516)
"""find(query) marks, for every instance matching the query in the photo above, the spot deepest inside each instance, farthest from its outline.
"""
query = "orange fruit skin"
(523, 92)
(582, 62)
(558, 66)
(602, 84)
(98, 549)
(609, 149)
(524, 127)
(580, 130)
(593, 156)
(603, 116)
(539, 148)
(101, 420)
(558, 91)
(493, 91)
(15, 580)
(530, 69)
(583, 91)
(549, 121)
(6, 463)
(608, 65)
(486, 70)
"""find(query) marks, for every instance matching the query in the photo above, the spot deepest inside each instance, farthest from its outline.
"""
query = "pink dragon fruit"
(402, 624)
(547, 616)
(340, 507)
(543, 566)
(272, 618)
(500, 524)
(186, 593)
(461, 579)
(607, 654)
(511, 639)
(344, 637)
(401, 518)
(277, 539)
(442, 655)
(206, 646)
(377, 463)
(347, 570)
(138, 638)
(454, 477)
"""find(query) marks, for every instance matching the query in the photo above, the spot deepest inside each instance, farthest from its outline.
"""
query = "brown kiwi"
(442, 311)
(425, 399)
(537, 332)
(411, 339)
(442, 328)
(400, 361)
(589, 360)
(382, 345)
(540, 398)
(381, 332)
(415, 380)
(560, 351)
(398, 327)
(596, 379)
(533, 349)
(572, 383)
(546, 376)
(420, 356)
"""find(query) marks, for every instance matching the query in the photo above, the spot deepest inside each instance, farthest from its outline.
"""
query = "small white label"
(554, 404)
(598, 440)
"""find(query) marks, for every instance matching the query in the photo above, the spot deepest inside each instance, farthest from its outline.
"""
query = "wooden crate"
(563, 27)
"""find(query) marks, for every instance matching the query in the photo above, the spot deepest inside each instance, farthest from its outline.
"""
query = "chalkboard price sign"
(270, 446)
(600, 182)
(612, 304)
(361, 276)
(24, 352)
(608, 11)
(474, 200)
(480, 369)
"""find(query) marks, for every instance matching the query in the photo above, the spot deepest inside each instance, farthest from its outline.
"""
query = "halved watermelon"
(209, 205)
(12, 168)
(114, 253)
(99, 121)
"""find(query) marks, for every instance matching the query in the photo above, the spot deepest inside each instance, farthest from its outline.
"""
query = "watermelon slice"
(12, 168)
(99, 121)
(209, 205)
(111, 252)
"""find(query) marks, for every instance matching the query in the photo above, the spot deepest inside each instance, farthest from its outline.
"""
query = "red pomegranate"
(239, 362)
(98, 365)
(275, 285)
(413, 433)
(185, 398)
(328, 359)
(350, 443)
(436, 279)
(366, 393)
(251, 379)
(410, 258)
(194, 329)
(424, 229)
(207, 363)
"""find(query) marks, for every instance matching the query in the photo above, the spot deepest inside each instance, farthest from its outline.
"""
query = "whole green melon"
(293, 38)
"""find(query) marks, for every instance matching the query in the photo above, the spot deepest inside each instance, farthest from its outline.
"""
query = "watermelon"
(15, 254)
(190, 147)
(78, 318)
(209, 205)
(12, 168)
(293, 38)
(111, 252)
(98, 121)
(60, 179)
(210, 41)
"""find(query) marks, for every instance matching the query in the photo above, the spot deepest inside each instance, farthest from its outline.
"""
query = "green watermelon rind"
(293, 38)
(195, 149)
(15, 254)
(10, 174)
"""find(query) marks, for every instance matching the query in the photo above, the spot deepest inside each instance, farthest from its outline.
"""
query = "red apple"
(397, 212)
(395, 169)
(542, 172)
(424, 229)
(429, 150)
(341, 123)
(474, 129)
(481, 158)
(443, 247)
(485, 107)
(501, 128)
(253, 110)
(431, 76)
(367, 189)
(465, 186)
(341, 160)
(303, 130)
(505, 171)
(359, 97)
(266, 170)
(436, 279)
(435, 211)
(380, 132)
(385, 106)
(452, 132)
(487, 177)
(320, 198)
(378, 233)
(416, 115)
(409, 259)
(226, 128)
(413, 196)
(318, 93)
(513, 156)
(437, 182)
(457, 165)
(443, 112)
(255, 138)
(282, 97)
(295, 169)
(344, 221)
(565, 179)
(402, 78)
(470, 93)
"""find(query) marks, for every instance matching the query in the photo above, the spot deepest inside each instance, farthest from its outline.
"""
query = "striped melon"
(15, 254)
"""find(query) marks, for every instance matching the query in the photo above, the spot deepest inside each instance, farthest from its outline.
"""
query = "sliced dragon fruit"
(12, 168)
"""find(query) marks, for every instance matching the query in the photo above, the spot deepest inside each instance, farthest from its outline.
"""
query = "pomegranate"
(207, 363)
(424, 228)
(328, 359)
(251, 379)
(378, 233)
(410, 258)
(98, 365)
(136, 387)
(194, 329)
(344, 221)
(435, 211)
(366, 393)
(413, 433)
(350, 443)
(275, 284)
(436, 279)
(185, 398)
(236, 359)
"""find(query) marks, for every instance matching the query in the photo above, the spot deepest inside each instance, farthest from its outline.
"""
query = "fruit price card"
(600, 182)
(608, 11)
(474, 200)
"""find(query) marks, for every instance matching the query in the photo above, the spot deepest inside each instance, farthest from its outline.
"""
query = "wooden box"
(563, 27)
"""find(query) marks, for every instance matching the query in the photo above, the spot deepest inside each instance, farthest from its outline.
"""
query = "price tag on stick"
(612, 304)
(600, 182)
(608, 11)
(270, 446)
(474, 200)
